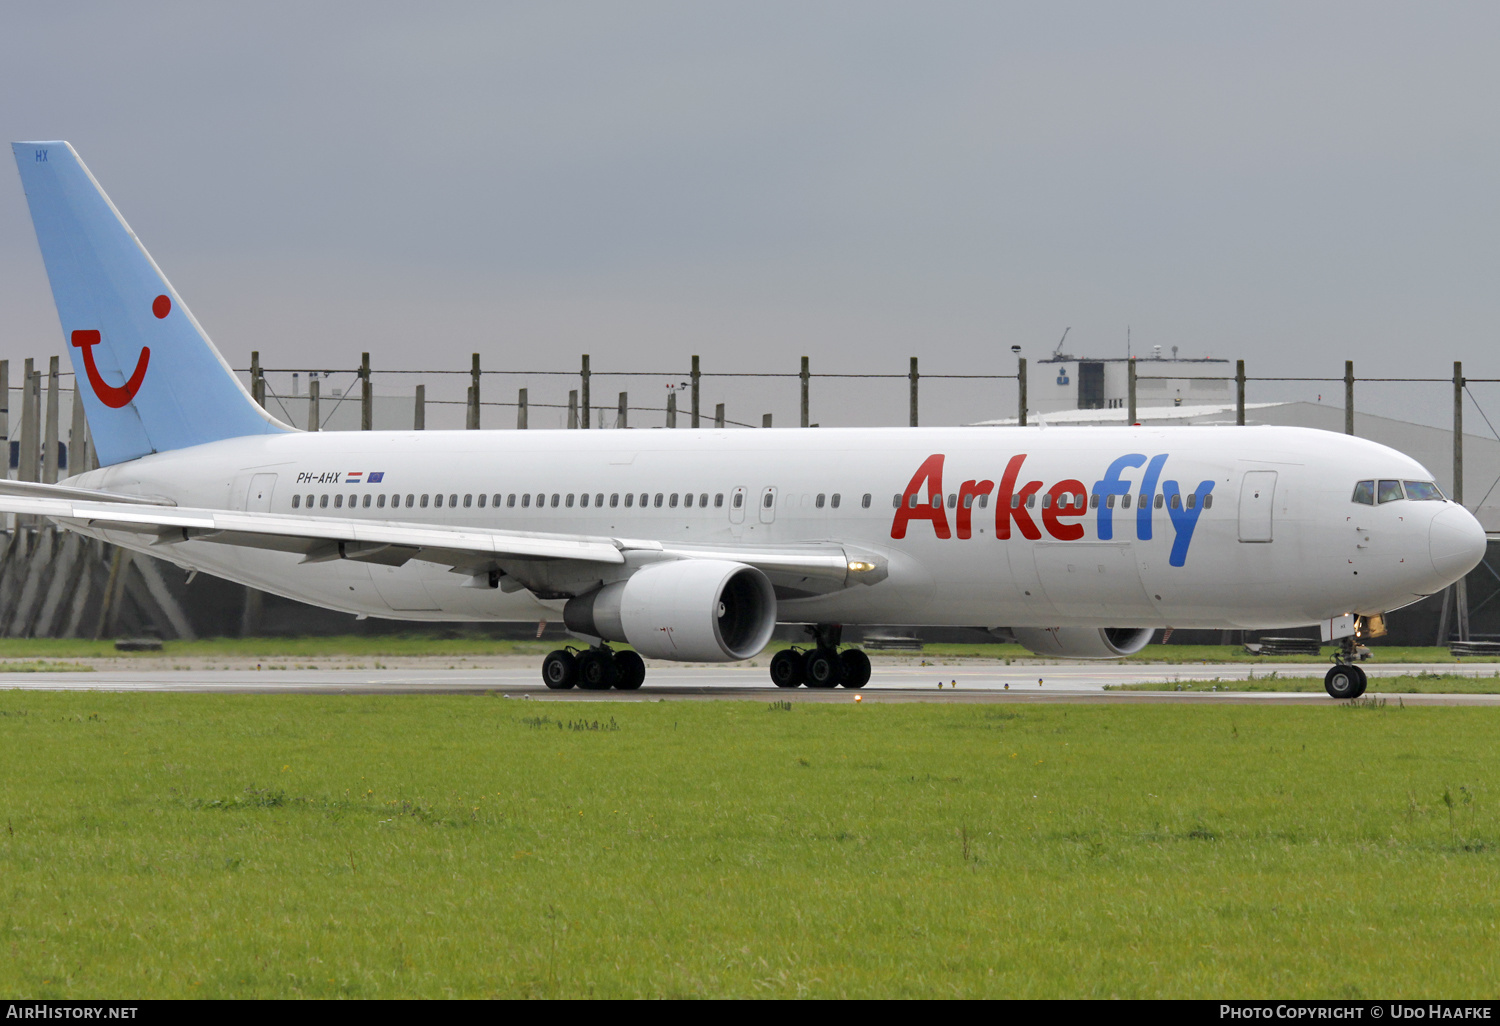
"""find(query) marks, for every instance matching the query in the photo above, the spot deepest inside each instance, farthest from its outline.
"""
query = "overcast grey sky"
(1295, 184)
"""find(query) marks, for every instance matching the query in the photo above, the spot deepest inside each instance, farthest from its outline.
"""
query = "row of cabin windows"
(1367, 493)
(1066, 500)
(670, 500)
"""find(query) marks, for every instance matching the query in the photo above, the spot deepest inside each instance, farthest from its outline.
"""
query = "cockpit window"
(1390, 491)
(1423, 491)
(1365, 492)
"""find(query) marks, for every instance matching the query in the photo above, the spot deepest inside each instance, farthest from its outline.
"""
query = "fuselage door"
(258, 494)
(1257, 497)
(737, 506)
(768, 505)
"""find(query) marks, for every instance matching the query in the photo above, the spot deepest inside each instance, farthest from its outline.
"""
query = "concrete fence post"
(521, 411)
(583, 392)
(719, 415)
(366, 395)
(313, 388)
(50, 437)
(695, 378)
(1239, 392)
(1021, 391)
(914, 377)
(573, 409)
(30, 424)
(471, 418)
(1130, 390)
(622, 415)
(671, 409)
(804, 376)
(765, 420)
(257, 380)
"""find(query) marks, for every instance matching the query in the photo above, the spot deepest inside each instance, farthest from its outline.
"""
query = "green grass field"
(1403, 684)
(161, 845)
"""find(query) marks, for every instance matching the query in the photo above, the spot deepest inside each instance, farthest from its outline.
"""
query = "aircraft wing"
(552, 565)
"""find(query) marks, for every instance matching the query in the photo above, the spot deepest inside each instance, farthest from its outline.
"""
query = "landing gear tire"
(560, 670)
(1345, 681)
(596, 670)
(788, 668)
(824, 669)
(630, 669)
(856, 668)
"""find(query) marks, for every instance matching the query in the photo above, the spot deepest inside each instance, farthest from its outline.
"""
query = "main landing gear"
(1345, 680)
(824, 666)
(593, 669)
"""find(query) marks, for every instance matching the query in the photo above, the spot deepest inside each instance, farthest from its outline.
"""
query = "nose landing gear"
(1345, 680)
(824, 666)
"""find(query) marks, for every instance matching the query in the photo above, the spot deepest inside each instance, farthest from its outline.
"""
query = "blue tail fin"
(149, 377)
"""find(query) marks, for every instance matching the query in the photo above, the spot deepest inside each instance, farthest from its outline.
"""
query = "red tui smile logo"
(108, 394)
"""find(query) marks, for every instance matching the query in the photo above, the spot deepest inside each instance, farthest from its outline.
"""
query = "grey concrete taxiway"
(942, 682)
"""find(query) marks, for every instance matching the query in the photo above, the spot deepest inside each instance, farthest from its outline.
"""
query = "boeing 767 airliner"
(693, 545)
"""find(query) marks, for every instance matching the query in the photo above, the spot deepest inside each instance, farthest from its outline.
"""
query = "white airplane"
(693, 545)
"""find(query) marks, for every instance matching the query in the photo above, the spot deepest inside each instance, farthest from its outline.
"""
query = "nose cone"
(1457, 543)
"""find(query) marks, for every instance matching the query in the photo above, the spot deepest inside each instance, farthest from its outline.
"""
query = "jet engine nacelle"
(697, 610)
(1084, 642)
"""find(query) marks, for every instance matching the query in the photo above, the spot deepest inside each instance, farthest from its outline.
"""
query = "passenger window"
(437, 501)
(739, 500)
(1094, 501)
(895, 502)
(1208, 501)
(1047, 500)
(671, 502)
(953, 500)
(296, 501)
(366, 502)
(338, 502)
(703, 500)
(423, 503)
(599, 499)
(569, 502)
(1423, 491)
(496, 500)
(687, 500)
(468, 501)
(1160, 501)
(583, 499)
(819, 501)
(629, 499)
(864, 502)
(1109, 502)
(659, 498)
(833, 500)
(614, 499)
(526, 501)
(984, 501)
(644, 499)
(1145, 498)
(1125, 501)
(409, 500)
(322, 502)
(770, 498)
(482, 499)
(1390, 491)
(719, 501)
(510, 501)
(452, 500)
(556, 498)
(968, 502)
(1176, 501)
(1364, 493)
(380, 501)
(1192, 500)
(1031, 501)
